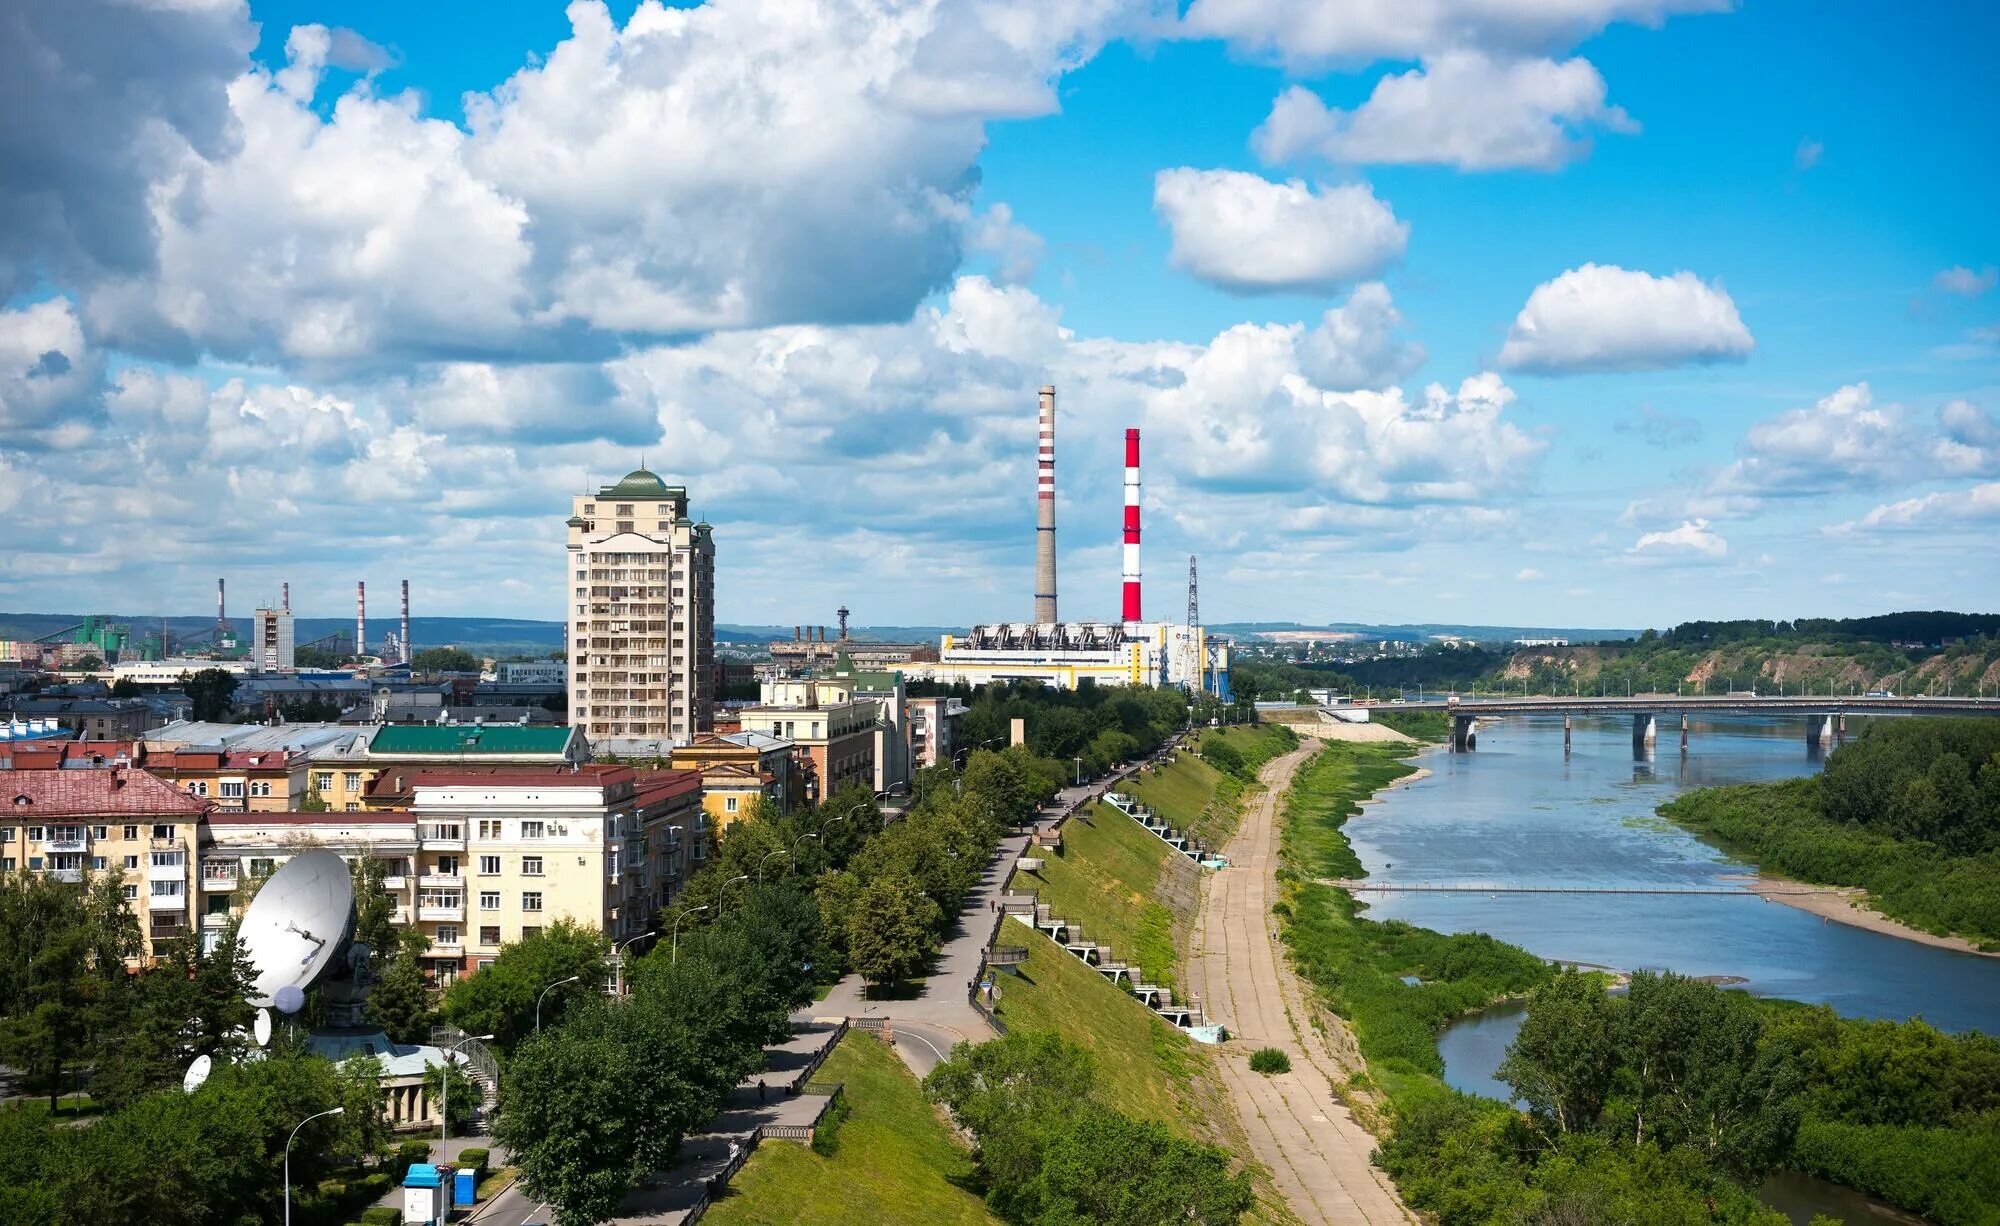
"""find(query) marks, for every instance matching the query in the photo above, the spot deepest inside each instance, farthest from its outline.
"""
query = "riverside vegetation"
(1666, 1105)
(1909, 811)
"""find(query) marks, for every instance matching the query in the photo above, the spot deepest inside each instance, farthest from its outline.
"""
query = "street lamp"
(795, 849)
(544, 994)
(288, 1156)
(618, 959)
(1079, 771)
(674, 957)
(444, 1115)
(764, 861)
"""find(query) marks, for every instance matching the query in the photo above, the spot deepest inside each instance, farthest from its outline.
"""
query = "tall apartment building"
(641, 616)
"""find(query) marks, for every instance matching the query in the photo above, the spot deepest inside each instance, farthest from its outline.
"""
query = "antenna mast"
(1194, 602)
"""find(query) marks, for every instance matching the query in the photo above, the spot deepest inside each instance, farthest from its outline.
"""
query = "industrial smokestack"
(360, 618)
(1045, 512)
(285, 597)
(1131, 527)
(406, 620)
(221, 618)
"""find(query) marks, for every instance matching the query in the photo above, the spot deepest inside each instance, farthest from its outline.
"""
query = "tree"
(1562, 1061)
(63, 947)
(401, 1001)
(125, 687)
(1105, 1168)
(364, 1127)
(459, 1105)
(500, 1000)
(309, 656)
(566, 1105)
(889, 929)
(211, 692)
(444, 660)
(1014, 1094)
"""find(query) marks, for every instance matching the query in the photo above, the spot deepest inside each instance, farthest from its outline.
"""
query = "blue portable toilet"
(463, 1187)
(423, 1194)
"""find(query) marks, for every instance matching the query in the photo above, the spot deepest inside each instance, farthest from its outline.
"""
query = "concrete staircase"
(1177, 839)
(1029, 910)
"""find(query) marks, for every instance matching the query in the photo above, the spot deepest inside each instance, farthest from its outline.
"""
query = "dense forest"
(1910, 811)
(1943, 653)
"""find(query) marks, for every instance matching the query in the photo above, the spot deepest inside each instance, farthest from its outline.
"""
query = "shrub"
(381, 1215)
(1269, 1060)
(408, 1154)
(472, 1159)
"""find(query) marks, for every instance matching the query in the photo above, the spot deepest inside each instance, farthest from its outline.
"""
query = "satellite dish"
(197, 1073)
(297, 926)
(263, 1027)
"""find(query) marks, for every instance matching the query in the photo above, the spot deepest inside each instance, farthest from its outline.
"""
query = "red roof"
(235, 759)
(50, 794)
(324, 818)
(583, 775)
(657, 786)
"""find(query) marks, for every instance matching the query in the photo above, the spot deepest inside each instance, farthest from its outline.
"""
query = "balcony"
(441, 950)
(166, 872)
(215, 919)
(218, 884)
(441, 838)
(72, 875)
(66, 843)
(168, 902)
(400, 914)
(396, 882)
(442, 881)
(174, 843)
(445, 912)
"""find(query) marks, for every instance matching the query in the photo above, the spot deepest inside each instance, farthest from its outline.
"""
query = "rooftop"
(445, 739)
(640, 483)
(49, 794)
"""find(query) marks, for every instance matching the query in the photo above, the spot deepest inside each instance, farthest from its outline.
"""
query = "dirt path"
(1316, 1151)
(1849, 905)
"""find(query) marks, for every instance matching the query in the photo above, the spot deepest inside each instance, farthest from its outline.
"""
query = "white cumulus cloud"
(1958, 279)
(1249, 235)
(1601, 317)
(47, 372)
(1979, 504)
(1692, 539)
(1461, 108)
(1306, 33)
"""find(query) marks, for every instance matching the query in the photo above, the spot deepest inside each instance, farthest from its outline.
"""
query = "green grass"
(69, 1106)
(1147, 1069)
(893, 1162)
(1108, 881)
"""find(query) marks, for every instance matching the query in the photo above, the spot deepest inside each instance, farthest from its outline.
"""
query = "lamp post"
(544, 995)
(1079, 771)
(444, 1114)
(766, 860)
(288, 1156)
(674, 957)
(618, 959)
(795, 849)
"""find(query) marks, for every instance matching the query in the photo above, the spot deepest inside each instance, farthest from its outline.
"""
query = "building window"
(489, 828)
(131, 892)
(34, 834)
(351, 780)
(486, 962)
(6, 864)
(447, 934)
(489, 934)
(34, 862)
(131, 832)
(531, 900)
(163, 832)
(323, 781)
(489, 866)
(6, 834)
(132, 862)
(350, 807)
(489, 900)
(100, 832)
(260, 787)
(532, 830)
(262, 866)
(729, 804)
(447, 866)
(97, 864)
(530, 930)
(531, 866)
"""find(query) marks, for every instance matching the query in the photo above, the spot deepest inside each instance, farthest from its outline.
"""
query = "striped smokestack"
(1131, 527)
(1045, 513)
(360, 618)
(406, 619)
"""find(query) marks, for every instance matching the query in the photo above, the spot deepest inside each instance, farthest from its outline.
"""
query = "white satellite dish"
(297, 926)
(197, 1073)
(263, 1027)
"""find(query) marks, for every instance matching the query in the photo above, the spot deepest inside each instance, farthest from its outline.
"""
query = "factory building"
(641, 582)
(1130, 651)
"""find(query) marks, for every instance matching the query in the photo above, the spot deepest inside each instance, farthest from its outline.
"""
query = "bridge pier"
(1684, 734)
(1840, 729)
(1645, 732)
(1565, 734)
(1819, 732)
(1464, 734)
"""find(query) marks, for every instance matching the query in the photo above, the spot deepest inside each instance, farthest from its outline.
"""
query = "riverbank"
(1850, 905)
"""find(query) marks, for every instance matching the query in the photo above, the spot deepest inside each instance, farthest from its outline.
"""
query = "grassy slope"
(894, 1162)
(1108, 880)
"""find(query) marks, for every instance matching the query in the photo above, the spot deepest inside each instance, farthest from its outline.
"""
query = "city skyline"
(1655, 311)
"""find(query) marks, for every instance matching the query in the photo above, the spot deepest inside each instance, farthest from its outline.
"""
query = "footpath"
(1317, 1153)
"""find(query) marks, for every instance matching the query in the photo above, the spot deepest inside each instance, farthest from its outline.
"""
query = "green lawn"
(1109, 880)
(893, 1162)
(1148, 1069)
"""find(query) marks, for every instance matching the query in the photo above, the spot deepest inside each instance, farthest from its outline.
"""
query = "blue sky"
(1609, 312)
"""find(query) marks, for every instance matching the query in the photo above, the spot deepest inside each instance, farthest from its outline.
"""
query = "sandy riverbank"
(1849, 905)
(1333, 730)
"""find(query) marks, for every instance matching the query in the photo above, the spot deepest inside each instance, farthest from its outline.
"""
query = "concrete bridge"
(1825, 715)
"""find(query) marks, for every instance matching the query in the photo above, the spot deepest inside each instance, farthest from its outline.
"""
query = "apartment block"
(833, 733)
(736, 768)
(641, 579)
(69, 823)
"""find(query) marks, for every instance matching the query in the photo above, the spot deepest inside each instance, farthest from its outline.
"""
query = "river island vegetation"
(1909, 811)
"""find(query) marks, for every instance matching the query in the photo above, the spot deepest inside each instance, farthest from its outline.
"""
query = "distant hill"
(1418, 632)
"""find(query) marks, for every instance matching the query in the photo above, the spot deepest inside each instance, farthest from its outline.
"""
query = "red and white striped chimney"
(360, 617)
(1131, 527)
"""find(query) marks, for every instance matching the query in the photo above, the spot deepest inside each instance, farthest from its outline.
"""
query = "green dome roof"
(639, 482)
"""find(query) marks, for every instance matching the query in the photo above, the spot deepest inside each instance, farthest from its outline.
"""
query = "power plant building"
(641, 580)
(1130, 651)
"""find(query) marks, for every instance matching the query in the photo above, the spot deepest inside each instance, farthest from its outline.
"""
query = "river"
(1517, 812)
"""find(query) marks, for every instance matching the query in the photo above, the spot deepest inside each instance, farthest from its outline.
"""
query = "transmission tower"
(1194, 602)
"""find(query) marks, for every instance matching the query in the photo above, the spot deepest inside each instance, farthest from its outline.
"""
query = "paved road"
(1317, 1153)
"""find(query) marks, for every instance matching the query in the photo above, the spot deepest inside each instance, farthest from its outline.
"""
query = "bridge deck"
(1732, 705)
(1371, 887)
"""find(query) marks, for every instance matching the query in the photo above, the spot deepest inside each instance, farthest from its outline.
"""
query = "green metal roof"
(469, 739)
(639, 483)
